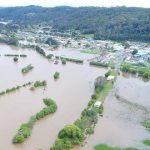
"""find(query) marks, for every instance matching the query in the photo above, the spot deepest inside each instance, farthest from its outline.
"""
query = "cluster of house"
(142, 56)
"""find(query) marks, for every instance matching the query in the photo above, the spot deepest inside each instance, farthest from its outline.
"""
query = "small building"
(97, 104)
(109, 78)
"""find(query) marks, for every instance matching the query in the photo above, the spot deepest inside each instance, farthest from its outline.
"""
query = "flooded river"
(120, 125)
(71, 93)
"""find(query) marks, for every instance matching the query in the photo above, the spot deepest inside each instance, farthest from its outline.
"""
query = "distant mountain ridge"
(115, 23)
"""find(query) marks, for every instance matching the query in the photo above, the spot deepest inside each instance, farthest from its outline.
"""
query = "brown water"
(71, 93)
(121, 124)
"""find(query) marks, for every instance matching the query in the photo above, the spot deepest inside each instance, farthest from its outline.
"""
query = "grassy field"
(89, 51)
(146, 142)
(106, 147)
(107, 87)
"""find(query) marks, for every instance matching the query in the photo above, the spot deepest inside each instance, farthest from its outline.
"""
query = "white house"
(110, 78)
(97, 104)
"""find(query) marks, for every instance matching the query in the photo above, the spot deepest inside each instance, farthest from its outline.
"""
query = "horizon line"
(73, 6)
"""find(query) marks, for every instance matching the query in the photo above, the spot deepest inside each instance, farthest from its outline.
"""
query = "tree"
(71, 132)
(51, 41)
(56, 75)
(18, 139)
(135, 51)
(15, 59)
(99, 82)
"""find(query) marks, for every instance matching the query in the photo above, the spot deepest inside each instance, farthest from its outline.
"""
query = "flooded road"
(71, 93)
(121, 125)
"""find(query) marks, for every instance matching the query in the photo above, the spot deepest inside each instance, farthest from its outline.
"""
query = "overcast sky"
(51, 3)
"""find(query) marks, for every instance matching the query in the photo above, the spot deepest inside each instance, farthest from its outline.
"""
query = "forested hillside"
(116, 23)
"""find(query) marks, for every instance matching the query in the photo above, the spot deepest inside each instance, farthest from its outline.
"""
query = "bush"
(72, 60)
(107, 74)
(99, 64)
(40, 83)
(94, 96)
(49, 56)
(24, 131)
(23, 55)
(89, 131)
(63, 61)
(147, 142)
(61, 144)
(147, 124)
(40, 51)
(51, 108)
(48, 102)
(15, 59)
(146, 75)
(71, 132)
(2, 93)
(27, 68)
(56, 75)
(18, 139)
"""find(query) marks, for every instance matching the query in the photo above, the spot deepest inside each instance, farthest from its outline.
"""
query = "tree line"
(116, 23)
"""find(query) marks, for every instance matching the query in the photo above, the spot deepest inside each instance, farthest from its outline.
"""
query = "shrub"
(99, 64)
(147, 124)
(18, 139)
(56, 75)
(23, 55)
(48, 101)
(146, 142)
(72, 60)
(107, 74)
(71, 132)
(146, 75)
(94, 96)
(40, 51)
(61, 144)
(49, 56)
(27, 68)
(40, 83)
(89, 130)
(63, 61)
(15, 59)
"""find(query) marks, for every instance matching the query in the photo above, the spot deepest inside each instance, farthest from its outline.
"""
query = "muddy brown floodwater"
(71, 93)
(121, 122)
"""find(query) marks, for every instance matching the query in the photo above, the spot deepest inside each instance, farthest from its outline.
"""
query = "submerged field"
(71, 92)
(121, 126)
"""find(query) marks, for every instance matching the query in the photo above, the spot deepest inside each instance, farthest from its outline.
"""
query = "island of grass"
(147, 126)
(89, 51)
(15, 55)
(25, 129)
(40, 83)
(99, 64)
(147, 142)
(136, 69)
(13, 89)
(63, 61)
(76, 133)
(23, 55)
(72, 60)
(15, 59)
(27, 69)
(11, 55)
(56, 75)
(106, 147)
